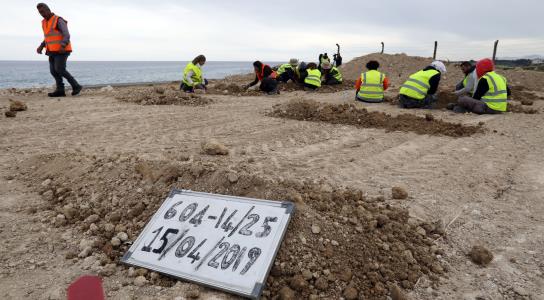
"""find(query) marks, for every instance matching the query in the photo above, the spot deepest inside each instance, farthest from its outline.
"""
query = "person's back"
(371, 84)
(419, 89)
(313, 80)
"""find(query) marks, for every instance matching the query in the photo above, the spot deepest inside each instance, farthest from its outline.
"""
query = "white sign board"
(220, 241)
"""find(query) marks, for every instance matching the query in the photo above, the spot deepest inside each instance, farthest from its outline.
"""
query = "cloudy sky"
(277, 30)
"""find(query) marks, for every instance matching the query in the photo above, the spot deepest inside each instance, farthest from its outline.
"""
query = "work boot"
(450, 106)
(76, 90)
(459, 109)
(57, 94)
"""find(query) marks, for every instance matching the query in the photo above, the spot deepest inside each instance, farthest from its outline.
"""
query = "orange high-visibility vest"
(260, 75)
(53, 36)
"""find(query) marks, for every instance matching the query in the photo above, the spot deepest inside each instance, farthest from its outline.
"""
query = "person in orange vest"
(58, 47)
(266, 76)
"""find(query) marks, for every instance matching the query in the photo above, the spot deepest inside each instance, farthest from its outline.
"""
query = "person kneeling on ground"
(313, 80)
(331, 74)
(468, 84)
(420, 88)
(491, 94)
(287, 72)
(372, 84)
(266, 76)
(192, 75)
(301, 72)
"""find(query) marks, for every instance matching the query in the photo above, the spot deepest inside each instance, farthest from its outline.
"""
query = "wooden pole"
(435, 47)
(495, 50)
(383, 46)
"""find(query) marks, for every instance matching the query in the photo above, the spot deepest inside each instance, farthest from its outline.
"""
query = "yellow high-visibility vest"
(418, 84)
(313, 78)
(196, 77)
(371, 86)
(497, 95)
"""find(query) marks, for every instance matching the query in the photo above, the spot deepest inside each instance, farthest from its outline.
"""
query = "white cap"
(439, 66)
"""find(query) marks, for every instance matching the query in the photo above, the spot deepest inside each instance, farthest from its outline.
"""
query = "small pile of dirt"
(307, 110)
(224, 87)
(520, 93)
(10, 114)
(364, 246)
(481, 255)
(520, 109)
(292, 86)
(214, 148)
(160, 96)
(16, 105)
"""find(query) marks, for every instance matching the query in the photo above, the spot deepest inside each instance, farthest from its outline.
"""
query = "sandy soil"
(486, 188)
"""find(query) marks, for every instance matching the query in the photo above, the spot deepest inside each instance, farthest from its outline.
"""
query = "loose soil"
(349, 114)
(363, 242)
(159, 95)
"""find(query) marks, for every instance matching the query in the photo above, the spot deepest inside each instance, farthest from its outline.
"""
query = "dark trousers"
(268, 85)
(57, 67)
(289, 74)
(407, 102)
(191, 89)
(309, 86)
(475, 106)
(332, 81)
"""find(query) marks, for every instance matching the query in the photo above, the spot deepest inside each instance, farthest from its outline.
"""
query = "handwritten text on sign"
(220, 241)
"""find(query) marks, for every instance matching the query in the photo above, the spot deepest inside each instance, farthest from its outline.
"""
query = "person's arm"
(469, 87)
(433, 82)
(385, 83)
(481, 89)
(188, 77)
(63, 28)
(358, 84)
(267, 71)
(254, 82)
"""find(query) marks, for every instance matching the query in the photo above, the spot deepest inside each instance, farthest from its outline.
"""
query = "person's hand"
(40, 49)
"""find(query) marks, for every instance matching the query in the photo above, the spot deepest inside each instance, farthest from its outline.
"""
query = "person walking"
(58, 47)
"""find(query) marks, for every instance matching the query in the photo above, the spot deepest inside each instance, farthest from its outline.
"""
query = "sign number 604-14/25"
(220, 241)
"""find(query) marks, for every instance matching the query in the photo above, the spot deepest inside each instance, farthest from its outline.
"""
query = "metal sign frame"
(258, 287)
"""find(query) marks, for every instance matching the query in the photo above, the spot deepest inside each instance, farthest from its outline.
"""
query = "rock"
(159, 89)
(334, 243)
(316, 229)
(192, 294)
(85, 243)
(429, 117)
(122, 236)
(307, 274)
(107, 88)
(398, 294)
(382, 220)
(60, 220)
(213, 147)
(108, 227)
(46, 182)
(10, 114)
(232, 177)
(115, 241)
(399, 193)
(481, 255)
(346, 275)
(298, 283)
(92, 219)
(16, 105)
(85, 252)
(527, 102)
(108, 270)
(140, 281)
(321, 284)
(286, 294)
(350, 293)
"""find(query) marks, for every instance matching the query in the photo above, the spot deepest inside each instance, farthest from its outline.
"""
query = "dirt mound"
(520, 93)
(224, 87)
(160, 95)
(364, 244)
(307, 110)
(521, 109)
(16, 105)
(291, 87)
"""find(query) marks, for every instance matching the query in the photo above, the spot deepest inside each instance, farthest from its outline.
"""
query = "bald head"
(44, 10)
